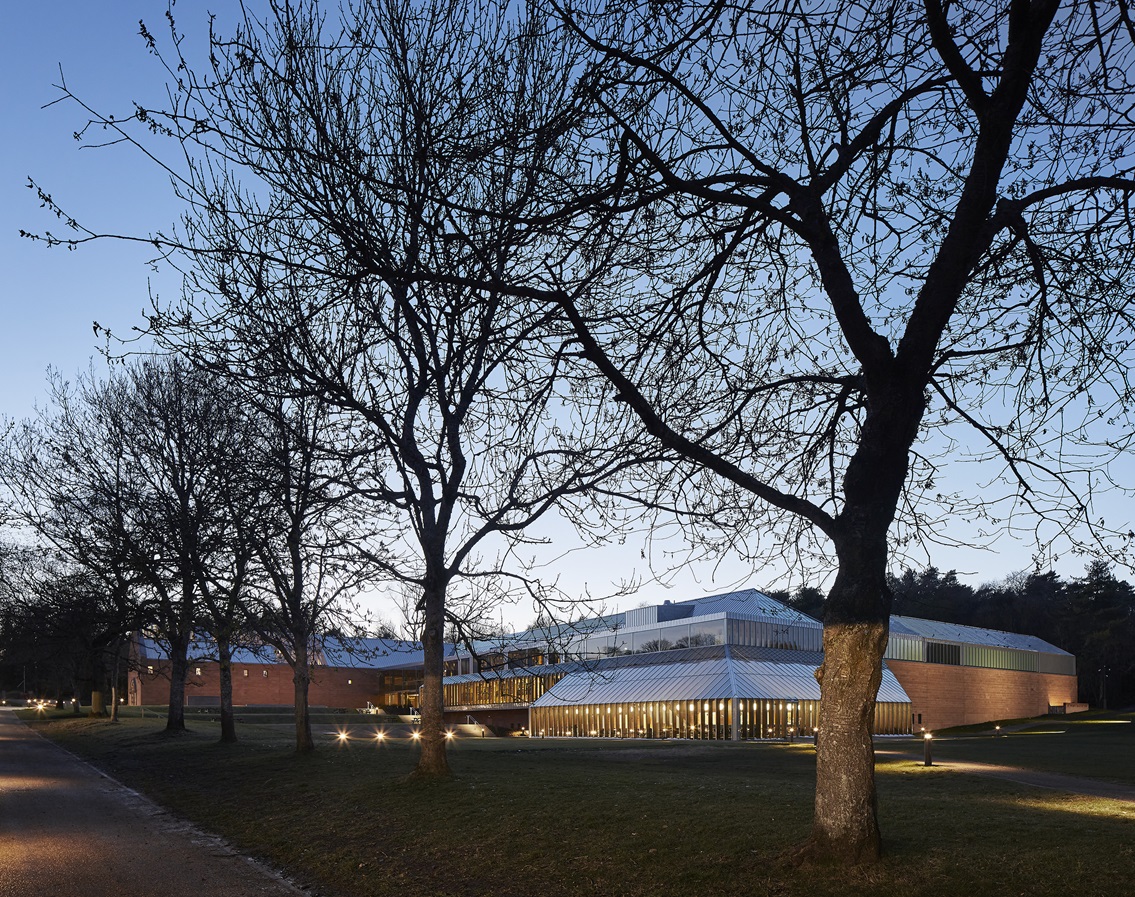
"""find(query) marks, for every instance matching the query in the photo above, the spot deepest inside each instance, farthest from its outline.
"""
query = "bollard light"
(927, 756)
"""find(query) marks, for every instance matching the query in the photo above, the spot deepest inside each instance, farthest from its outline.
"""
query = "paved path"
(67, 830)
(1036, 778)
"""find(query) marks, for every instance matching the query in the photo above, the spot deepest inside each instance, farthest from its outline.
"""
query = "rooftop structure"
(741, 665)
(730, 666)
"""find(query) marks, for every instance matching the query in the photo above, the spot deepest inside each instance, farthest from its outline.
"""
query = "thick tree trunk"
(228, 718)
(846, 825)
(301, 678)
(178, 670)
(856, 625)
(433, 761)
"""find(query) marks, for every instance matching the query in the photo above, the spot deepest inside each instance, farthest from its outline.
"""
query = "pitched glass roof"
(702, 674)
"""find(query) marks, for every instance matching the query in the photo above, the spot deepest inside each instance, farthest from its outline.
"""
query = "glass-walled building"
(741, 666)
(724, 667)
(719, 693)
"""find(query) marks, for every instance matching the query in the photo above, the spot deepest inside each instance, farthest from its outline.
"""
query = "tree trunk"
(846, 826)
(115, 668)
(857, 612)
(301, 678)
(433, 762)
(228, 719)
(178, 670)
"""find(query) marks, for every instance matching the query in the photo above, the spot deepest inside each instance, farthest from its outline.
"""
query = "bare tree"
(224, 554)
(853, 240)
(56, 618)
(69, 489)
(184, 441)
(349, 198)
(304, 534)
(815, 249)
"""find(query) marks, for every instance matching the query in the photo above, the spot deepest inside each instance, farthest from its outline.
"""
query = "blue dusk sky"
(51, 297)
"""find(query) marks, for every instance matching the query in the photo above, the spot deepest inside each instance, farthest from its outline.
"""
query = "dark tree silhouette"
(350, 203)
(303, 533)
(842, 240)
(813, 249)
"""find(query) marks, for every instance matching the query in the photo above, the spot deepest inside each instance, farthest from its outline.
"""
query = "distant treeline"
(1092, 617)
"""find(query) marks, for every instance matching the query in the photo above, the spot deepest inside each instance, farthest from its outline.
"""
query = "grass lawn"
(1098, 745)
(581, 817)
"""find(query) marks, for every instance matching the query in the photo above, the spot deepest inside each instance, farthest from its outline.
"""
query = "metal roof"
(971, 635)
(551, 634)
(375, 653)
(746, 601)
(765, 674)
(749, 604)
(366, 653)
(205, 651)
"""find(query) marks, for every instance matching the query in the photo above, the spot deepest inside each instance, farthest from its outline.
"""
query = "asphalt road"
(66, 830)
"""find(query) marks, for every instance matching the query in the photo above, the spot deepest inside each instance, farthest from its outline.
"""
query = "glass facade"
(487, 690)
(711, 720)
(642, 668)
(991, 657)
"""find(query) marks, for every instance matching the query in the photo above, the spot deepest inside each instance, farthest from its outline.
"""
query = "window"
(265, 674)
(349, 682)
(150, 670)
(246, 674)
(710, 632)
(198, 671)
(941, 652)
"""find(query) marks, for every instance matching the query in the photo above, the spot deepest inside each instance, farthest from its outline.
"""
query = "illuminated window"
(349, 682)
(265, 674)
(246, 674)
(150, 670)
(198, 671)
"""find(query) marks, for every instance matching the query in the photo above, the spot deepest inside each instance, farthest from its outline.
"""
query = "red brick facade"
(946, 695)
(269, 684)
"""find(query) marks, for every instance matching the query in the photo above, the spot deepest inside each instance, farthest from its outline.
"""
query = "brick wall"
(959, 696)
(259, 684)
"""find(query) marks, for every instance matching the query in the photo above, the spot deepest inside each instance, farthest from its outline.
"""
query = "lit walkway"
(66, 830)
(1036, 778)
